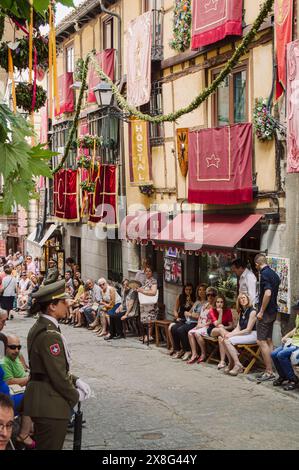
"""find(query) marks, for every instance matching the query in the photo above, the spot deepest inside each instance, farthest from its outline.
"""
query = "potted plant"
(147, 190)
(88, 141)
(263, 123)
(24, 95)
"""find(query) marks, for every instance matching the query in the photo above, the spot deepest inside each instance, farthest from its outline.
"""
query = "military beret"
(54, 291)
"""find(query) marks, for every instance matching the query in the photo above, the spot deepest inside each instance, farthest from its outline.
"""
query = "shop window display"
(215, 270)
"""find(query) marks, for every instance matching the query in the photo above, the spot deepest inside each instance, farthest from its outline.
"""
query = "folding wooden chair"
(250, 354)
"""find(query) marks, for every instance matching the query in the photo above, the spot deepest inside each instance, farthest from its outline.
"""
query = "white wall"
(93, 251)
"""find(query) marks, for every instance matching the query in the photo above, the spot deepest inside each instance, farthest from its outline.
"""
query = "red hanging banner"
(66, 196)
(105, 60)
(220, 165)
(66, 94)
(283, 16)
(213, 20)
(103, 207)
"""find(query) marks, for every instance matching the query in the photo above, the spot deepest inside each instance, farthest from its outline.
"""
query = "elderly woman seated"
(127, 309)
(244, 333)
(108, 305)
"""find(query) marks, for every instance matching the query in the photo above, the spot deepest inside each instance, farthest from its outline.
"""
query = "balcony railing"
(157, 35)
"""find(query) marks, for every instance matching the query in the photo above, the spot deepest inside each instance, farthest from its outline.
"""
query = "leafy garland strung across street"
(171, 117)
(181, 25)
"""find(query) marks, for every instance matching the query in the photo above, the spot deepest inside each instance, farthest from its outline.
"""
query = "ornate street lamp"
(103, 94)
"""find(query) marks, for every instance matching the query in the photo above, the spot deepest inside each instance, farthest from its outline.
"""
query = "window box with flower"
(263, 123)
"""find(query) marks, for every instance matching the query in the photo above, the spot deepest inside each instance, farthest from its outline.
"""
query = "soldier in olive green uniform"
(52, 391)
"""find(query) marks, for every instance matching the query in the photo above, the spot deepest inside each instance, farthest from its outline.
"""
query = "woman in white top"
(23, 291)
(110, 302)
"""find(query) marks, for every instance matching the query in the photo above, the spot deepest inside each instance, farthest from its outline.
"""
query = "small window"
(230, 101)
(108, 34)
(70, 59)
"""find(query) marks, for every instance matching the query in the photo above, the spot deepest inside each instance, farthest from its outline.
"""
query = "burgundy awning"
(215, 231)
(143, 226)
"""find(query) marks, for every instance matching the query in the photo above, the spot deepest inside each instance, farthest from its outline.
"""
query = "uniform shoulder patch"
(55, 349)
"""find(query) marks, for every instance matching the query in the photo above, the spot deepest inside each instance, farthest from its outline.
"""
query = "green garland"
(171, 117)
(181, 26)
(232, 62)
(76, 118)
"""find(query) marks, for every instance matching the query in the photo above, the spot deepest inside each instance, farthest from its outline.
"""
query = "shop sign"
(140, 158)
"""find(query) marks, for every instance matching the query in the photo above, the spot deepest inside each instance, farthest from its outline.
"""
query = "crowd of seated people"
(199, 314)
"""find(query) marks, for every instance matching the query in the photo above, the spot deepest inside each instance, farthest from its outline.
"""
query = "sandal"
(78, 326)
(291, 385)
(279, 382)
(236, 370)
(192, 361)
(221, 365)
(29, 445)
(201, 359)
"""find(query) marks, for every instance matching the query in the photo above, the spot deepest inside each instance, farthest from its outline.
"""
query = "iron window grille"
(155, 108)
(58, 142)
(104, 124)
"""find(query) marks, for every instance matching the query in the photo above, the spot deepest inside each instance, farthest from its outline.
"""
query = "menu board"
(282, 267)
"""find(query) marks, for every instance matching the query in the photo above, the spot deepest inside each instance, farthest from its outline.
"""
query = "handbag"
(148, 299)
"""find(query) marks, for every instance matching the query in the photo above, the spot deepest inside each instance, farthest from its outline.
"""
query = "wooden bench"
(163, 324)
(250, 354)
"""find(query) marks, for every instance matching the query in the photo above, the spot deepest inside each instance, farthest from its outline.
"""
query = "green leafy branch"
(19, 162)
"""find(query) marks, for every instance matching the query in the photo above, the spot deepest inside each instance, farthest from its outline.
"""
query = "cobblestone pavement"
(145, 400)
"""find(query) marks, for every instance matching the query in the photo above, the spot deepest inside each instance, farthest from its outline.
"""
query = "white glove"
(84, 387)
(82, 395)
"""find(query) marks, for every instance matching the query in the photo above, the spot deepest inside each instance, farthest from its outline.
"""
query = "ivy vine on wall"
(181, 26)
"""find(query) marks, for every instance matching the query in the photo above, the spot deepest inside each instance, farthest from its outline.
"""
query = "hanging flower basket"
(20, 55)
(264, 125)
(88, 141)
(24, 95)
(85, 161)
(181, 26)
(88, 186)
(147, 190)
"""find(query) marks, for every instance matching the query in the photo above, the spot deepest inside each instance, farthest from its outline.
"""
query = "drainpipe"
(116, 15)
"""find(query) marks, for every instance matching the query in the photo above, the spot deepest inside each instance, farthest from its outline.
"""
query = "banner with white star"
(213, 20)
(220, 165)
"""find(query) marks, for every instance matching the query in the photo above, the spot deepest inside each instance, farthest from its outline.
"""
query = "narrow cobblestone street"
(144, 400)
